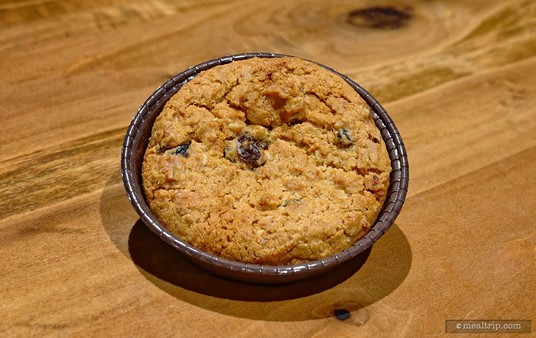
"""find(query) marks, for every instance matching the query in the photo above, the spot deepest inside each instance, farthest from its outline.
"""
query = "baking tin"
(135, 144)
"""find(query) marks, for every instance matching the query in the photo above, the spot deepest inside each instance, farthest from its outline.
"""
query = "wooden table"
(457, 77)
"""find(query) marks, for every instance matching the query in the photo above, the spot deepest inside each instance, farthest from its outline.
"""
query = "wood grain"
(457, 77)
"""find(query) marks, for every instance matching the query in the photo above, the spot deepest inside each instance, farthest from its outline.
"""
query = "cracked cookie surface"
(267, 160)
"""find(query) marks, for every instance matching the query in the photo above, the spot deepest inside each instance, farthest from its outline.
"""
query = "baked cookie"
(267, 160)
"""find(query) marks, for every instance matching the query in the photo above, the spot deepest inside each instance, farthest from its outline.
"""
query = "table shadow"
(159, 259)
(351, 286)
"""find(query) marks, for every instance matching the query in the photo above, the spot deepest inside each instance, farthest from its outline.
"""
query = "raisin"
(182, 149)
(343, 138)
(249, 150)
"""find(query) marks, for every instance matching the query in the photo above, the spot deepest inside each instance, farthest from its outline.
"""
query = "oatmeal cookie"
(266, 160)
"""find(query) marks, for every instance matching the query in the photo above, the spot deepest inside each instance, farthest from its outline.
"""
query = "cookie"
(267, 160)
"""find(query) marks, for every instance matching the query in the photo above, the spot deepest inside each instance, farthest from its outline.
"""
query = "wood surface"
(457, 77)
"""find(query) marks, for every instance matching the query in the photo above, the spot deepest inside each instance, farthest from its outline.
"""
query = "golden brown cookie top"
(266, 160)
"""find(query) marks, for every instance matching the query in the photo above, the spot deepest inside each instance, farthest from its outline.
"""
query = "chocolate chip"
(343, 138)
(249, 150)
(182, 149)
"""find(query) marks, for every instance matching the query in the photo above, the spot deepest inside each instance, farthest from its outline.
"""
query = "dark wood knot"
(380, 17)
(341, 314)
